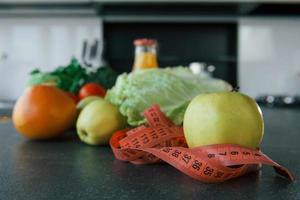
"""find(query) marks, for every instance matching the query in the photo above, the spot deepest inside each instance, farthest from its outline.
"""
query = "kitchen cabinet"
(178, 44)
(45, 43)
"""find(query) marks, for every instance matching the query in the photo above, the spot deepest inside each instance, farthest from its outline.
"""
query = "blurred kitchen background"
(253, 44)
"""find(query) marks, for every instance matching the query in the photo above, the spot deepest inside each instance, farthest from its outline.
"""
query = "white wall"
(269, 56)
(45, 43)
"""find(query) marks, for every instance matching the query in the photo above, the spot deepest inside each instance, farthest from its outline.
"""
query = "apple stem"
(235, 89)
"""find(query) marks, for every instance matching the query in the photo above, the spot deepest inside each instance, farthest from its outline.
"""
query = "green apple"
(223, 118)
(98, 121)
(84, 102)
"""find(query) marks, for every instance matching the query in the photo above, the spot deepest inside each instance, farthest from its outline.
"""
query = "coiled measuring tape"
(162, 140)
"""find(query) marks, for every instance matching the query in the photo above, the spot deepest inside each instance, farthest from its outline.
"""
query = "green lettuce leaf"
(171, 88)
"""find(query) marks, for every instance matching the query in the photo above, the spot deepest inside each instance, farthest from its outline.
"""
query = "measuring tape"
(162, 140)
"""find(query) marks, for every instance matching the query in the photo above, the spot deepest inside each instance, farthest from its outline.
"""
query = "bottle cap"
(145, 42)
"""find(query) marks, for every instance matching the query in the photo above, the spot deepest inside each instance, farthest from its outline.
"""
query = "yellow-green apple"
(98, 121)
(223, 118)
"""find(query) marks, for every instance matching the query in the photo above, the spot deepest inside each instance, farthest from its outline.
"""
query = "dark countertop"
(68, 169)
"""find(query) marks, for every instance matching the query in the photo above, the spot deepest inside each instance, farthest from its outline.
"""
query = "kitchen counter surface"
(68, 169)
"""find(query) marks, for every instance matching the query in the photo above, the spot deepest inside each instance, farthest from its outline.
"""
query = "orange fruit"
(44, 112)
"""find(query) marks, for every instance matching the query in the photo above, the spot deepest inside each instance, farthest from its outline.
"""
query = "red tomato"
(114, 139)
(73, 96)
(91, 89)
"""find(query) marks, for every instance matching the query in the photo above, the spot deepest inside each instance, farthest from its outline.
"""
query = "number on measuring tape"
(145, 138)
(126, 145)
(167, 150)
(164, 141)
(246, 153)
(196, 165)
(153, 135)
(223, 153)
(135, 142)
(186, 158)
(162, 131)
(176, 153)
(155, 119)
(208, 171)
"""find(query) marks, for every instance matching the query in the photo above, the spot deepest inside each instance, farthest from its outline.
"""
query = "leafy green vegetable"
(105, 76)
(73, 76)
(171, 88)
(37, 78)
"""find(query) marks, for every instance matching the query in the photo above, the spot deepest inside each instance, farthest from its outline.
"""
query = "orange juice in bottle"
(145, 54)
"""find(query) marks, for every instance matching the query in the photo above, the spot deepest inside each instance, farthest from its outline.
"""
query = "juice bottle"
(145, 54)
